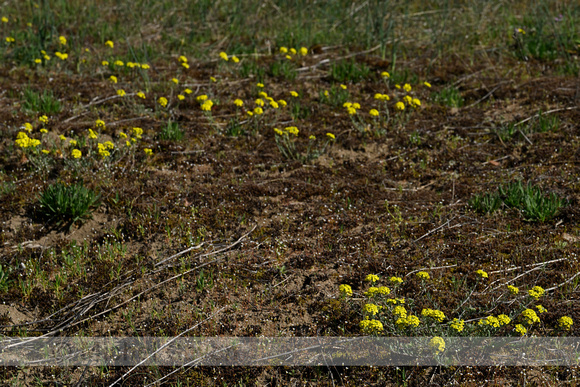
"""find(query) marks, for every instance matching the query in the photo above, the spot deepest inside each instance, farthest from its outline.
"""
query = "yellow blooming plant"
(438, 344)
(481, 273)
(372, 278)
(565, 323)
(345, 290)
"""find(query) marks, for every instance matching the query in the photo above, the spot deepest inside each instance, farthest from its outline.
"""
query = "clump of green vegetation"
(534, 204)
(171, 132)
(349, 71)
(44, 102)
(283, 69)
(541, 123)
(68, 204)
(449, 96)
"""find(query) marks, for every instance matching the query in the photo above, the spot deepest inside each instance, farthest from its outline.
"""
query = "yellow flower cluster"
(434, 314)
(207, 105)
(400, 311)
(23, 141)
(541, 309)
(408, 321)
(351, 107)
(394, 301)
(372, 278)
(371, 326)
(374, 112)
(373, 291)
(457, 324)
(382, 97)
(438, 344)
(76, 154)
(513, 289)
(423, 275)
(61, 56)
(504, 319)
(371, 309)
(396, 280)
(520, 329)
(103, 148)
(565, 322)
(345, 290)
(163, 101)
(536, 292)
(530, 316)
(491, 321)
(92, 134)
(481, 273)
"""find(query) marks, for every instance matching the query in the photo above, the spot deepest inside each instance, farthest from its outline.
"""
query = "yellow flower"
(423, 275)
(530, 316)
(185, 65)
(119, 63)
(187, 91)
(536, 292)
(73, 143)
(343, 87)
(122, 135)
(384, 290)
(400, 106)
(396, 280)
(385, 74)
(141, 95)
(62, 40)
(138, 132)
(180, 97)
(372, 278)
(282, 103)
(37, 60)
(513, 289)
(294, 94)
(541, 309)
(4, 19)
(43, 130)
(427, 84)
(521, 31)
(46, 57)
(371, 309)
(303, 51)
(27, 126)
(45, 151)
(105, 63)
(351, 111)
(481, 273)
(224, 56)
(312, 137)
(457, 324)
(110, 43)
(374, 112)
(145, 66)
(175, 80)
(113, 79)
(411, 321)
(109, 145)
(182, 59)
(281, 133)
(235, 59)
(62, 137)
(565, 322)
(163, 101)
(331, 136)
(148, 151)
(238, 102)
(259, 102)
(397, 86)
(415, 102)
(249, 113)
(288, 57)
(345, 290)
(263, 94)
(408, 99)
(121, 93)
(260, 85)
(371, 326)
(372, 291)
(407, 87)
(10, 39)
(100, 123)
(356, 105)
(92, 134)
(400, 311)
(76, 154)
(438, 344)
(489, 320)
(434, 314)
(292, 130)
(207, 105)
(201, 98)
(43, 119)
(503, 319)
(283, 50)
(274, 104)
(520, 329)
(61, 56)
(293, 51)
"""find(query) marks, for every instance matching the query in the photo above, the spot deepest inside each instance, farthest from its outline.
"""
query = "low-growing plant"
(449, 96)
(531, 201)
(4, 280)
(283, 69)
(287, 140)
(171, 132)
(336, 96)
(349, 71)
(44, 102)
(68, 204)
